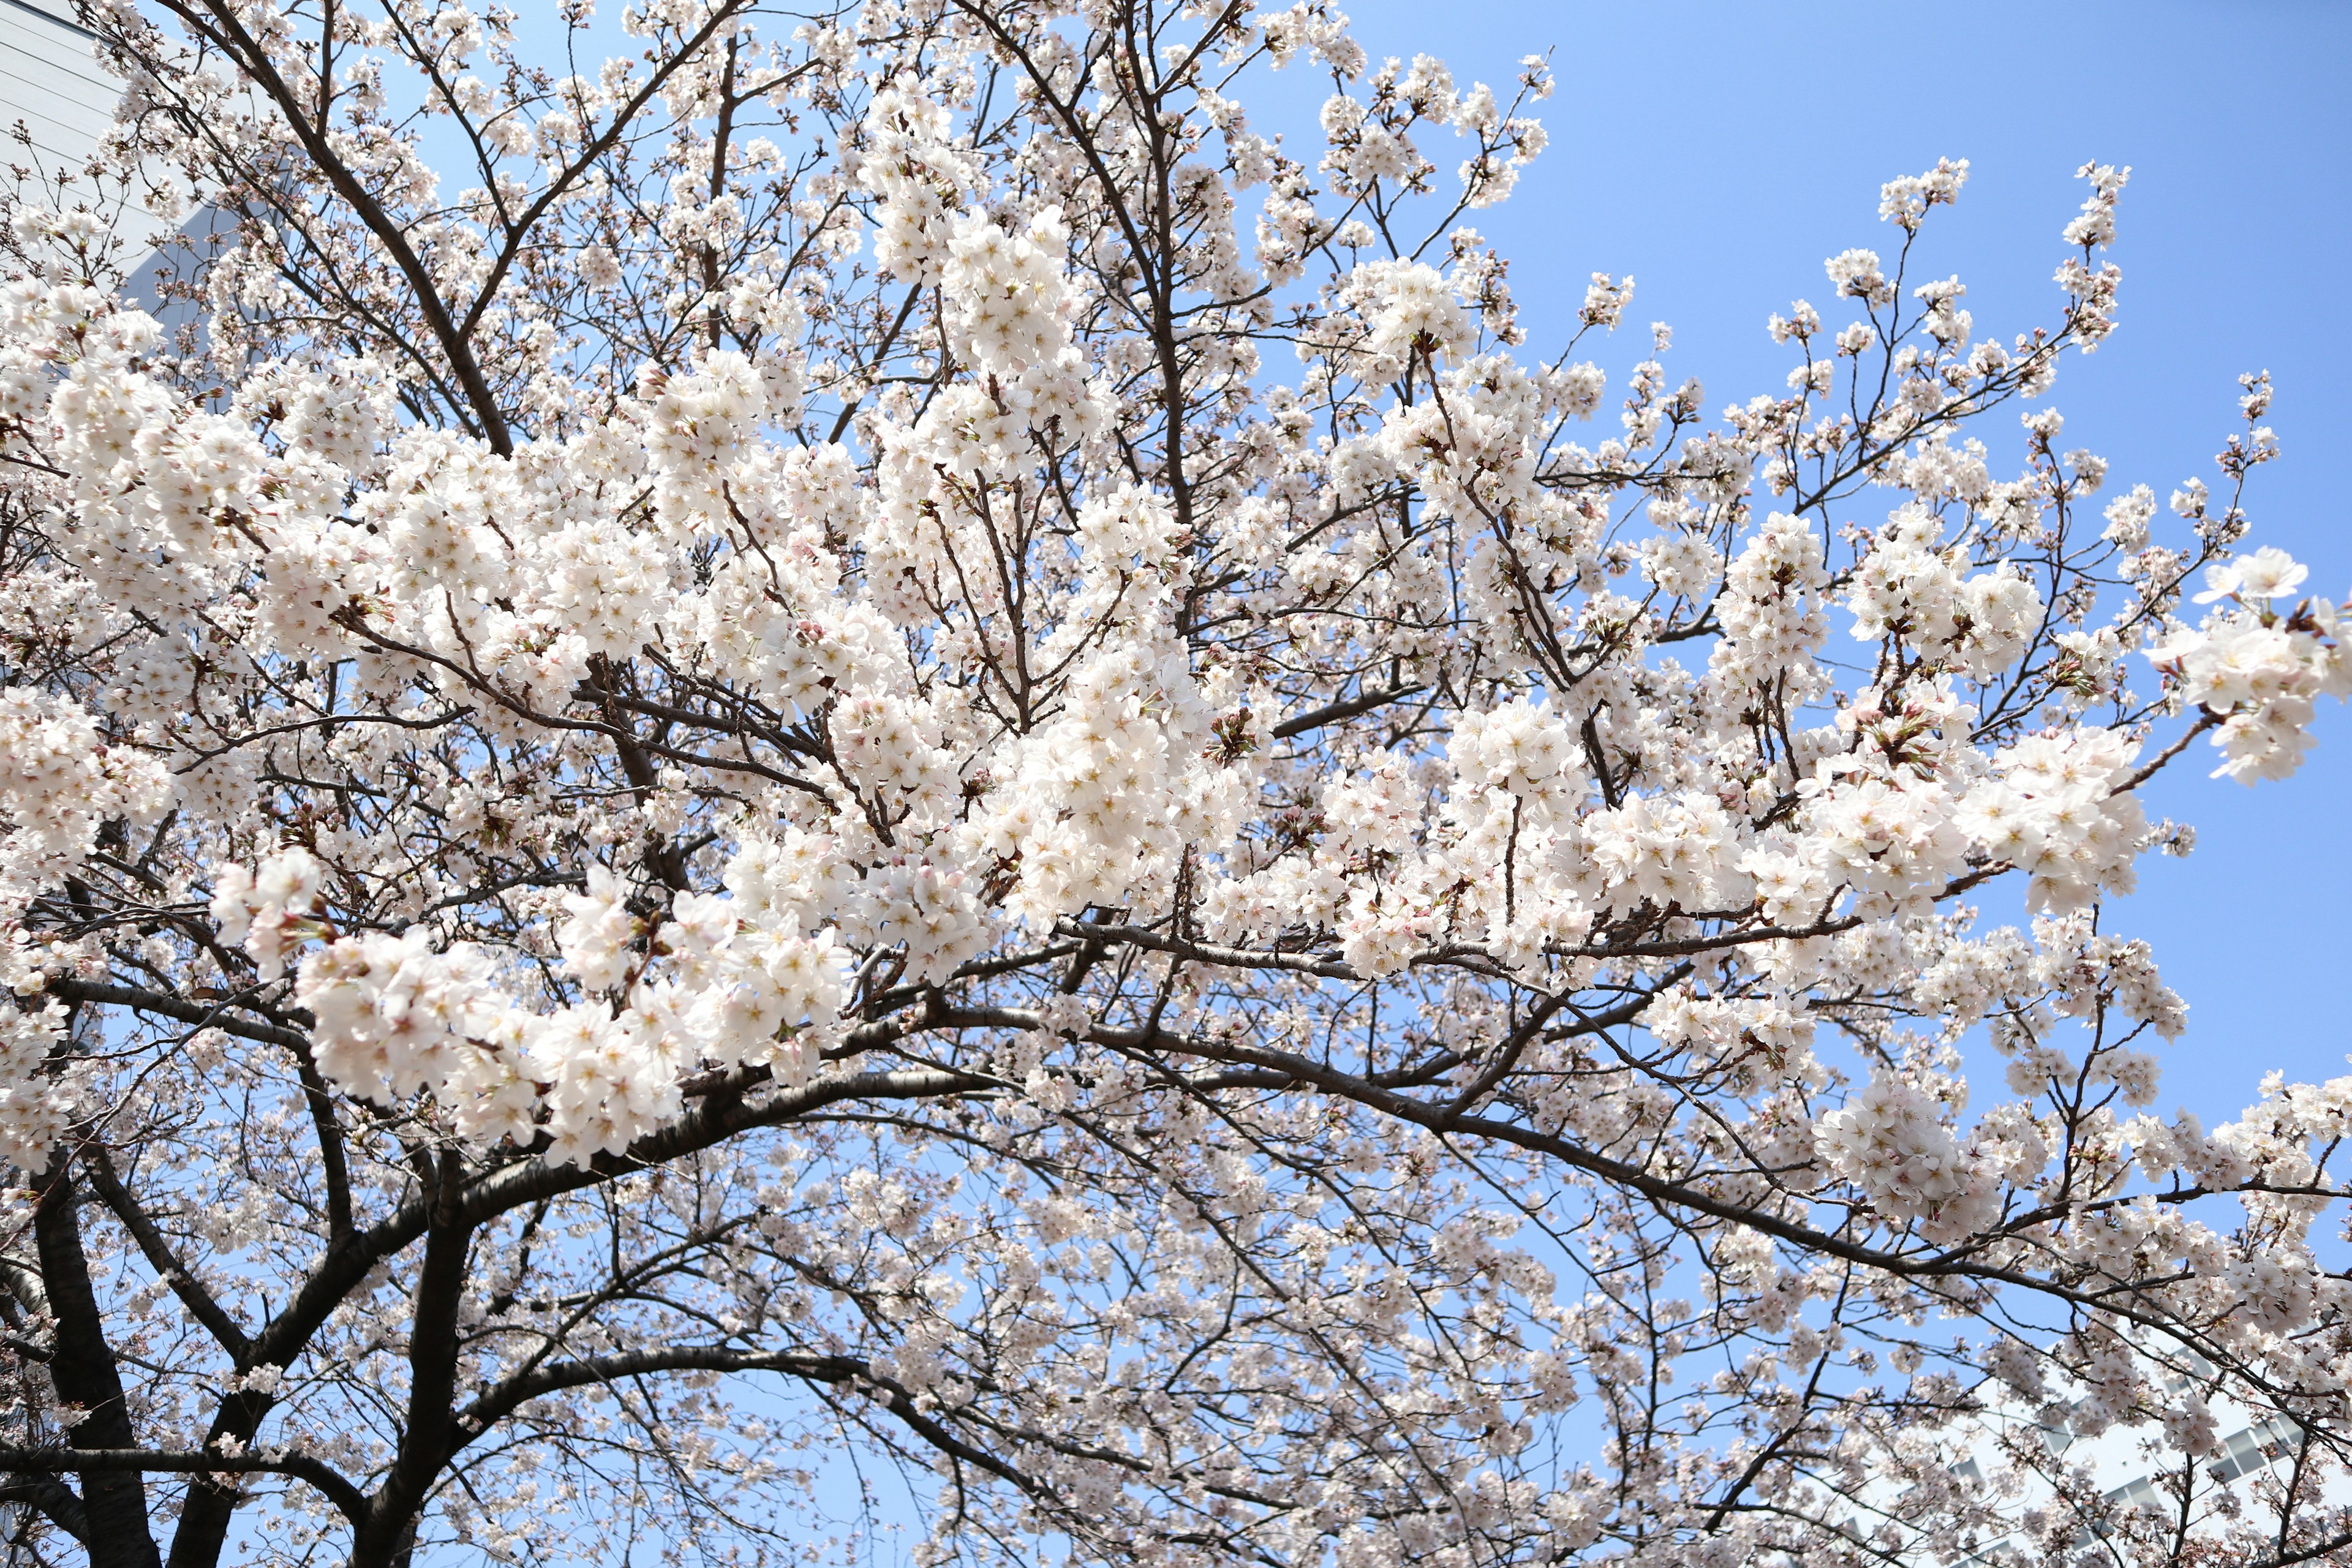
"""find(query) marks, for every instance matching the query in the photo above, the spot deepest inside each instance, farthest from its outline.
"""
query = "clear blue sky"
(1718, 152)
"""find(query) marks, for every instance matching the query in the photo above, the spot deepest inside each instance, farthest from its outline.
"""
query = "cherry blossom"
(875, 743)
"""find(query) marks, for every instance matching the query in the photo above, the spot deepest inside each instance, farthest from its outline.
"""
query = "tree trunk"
(114, 1502)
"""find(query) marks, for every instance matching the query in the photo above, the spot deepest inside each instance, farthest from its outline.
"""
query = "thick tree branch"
(1349, 708)
(83, 1368)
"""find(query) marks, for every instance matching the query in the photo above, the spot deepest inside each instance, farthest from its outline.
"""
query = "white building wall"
(50, 83)
(53, 88)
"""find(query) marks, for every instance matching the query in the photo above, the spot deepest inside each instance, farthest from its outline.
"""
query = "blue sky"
(1718, 152)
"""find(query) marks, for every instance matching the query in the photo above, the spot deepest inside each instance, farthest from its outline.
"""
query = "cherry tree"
(867, 750)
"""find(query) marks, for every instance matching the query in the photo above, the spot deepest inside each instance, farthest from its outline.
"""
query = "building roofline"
(46, 14)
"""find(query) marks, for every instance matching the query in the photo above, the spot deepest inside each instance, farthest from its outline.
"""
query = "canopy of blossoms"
(871, 737)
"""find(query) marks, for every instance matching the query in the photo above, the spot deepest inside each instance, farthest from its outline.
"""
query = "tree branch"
(158, 1252)
(348, 1498)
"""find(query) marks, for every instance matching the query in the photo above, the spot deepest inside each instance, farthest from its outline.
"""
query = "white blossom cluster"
(2259, 668)
(60, 781)
(37, 1107)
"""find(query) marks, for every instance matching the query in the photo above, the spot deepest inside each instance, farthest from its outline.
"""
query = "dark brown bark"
(114, 1502)
(388, 1536)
